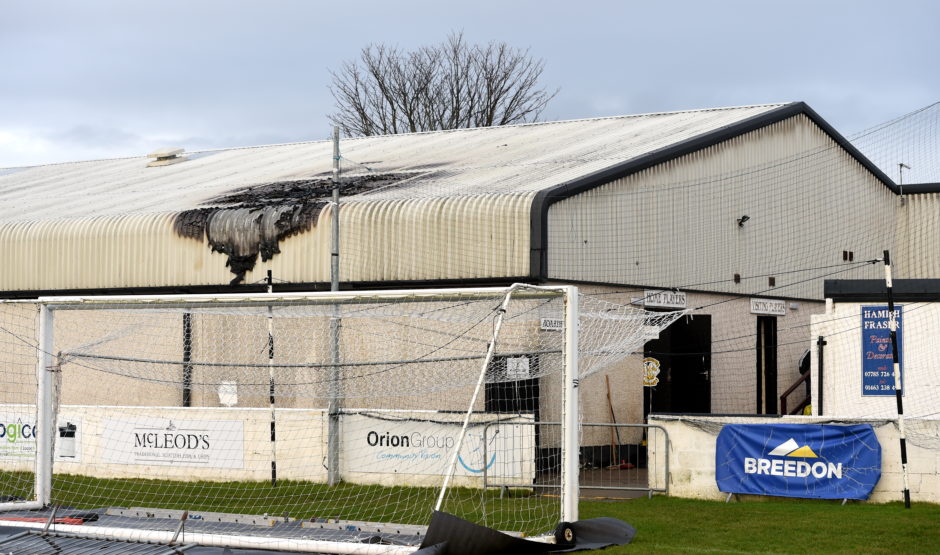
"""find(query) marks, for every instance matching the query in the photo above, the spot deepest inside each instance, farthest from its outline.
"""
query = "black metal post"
(271, 390)
(820, 365)
(187, 358)
(895, 355)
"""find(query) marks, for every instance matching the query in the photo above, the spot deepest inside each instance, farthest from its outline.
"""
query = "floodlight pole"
(332, 460)
(271, 388)
(893, 328)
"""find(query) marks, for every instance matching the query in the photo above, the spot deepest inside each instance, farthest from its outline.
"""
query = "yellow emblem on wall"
(650, 372)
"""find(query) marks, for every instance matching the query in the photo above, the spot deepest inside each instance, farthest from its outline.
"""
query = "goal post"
(45, 407)
(570, 411)
(110, 375)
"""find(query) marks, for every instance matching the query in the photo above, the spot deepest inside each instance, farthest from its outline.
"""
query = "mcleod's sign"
(174, 442)
(796, 460)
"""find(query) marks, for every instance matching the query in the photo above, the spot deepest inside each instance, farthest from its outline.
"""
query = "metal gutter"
(874, 290)
(260, 288)
(921, 188)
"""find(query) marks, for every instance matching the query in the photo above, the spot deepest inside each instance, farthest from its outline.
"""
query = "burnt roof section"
(514, 159)
(254, 220)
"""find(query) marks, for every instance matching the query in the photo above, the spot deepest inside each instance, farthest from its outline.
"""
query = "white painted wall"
(234, 445)
(842, 363)
(692, 455)
(675, 224)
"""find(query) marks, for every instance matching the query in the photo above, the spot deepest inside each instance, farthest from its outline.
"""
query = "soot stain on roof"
(254, 220)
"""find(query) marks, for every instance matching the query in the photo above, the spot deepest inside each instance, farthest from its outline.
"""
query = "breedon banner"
(796, 460)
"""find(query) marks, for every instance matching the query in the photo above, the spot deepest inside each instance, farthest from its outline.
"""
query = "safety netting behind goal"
(303, 412)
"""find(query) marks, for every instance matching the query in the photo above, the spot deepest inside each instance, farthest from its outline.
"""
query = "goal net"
(301, 421)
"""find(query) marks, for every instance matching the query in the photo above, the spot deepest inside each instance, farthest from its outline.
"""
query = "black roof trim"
(919, 188)
(259, 288)
(874, 290)
(538, 240)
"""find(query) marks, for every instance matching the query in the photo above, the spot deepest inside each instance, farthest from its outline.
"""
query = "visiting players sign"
(797, 460)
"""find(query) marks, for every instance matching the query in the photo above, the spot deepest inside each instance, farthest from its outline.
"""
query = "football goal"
(322, 422)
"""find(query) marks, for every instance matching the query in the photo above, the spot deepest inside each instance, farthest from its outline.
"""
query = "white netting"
(745, 232)
(227, 406)
(853, 355)
(911, 140)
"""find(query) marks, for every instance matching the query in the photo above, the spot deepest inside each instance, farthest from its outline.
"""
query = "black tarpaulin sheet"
(597, 533)
(450, 535)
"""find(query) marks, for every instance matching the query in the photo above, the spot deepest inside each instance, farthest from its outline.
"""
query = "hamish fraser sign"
(877, 354)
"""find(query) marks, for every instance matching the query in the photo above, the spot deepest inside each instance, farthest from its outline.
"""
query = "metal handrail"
(664, 489)
(785, 394)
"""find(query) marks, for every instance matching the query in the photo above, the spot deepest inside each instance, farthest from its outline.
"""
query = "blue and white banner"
(798, 460)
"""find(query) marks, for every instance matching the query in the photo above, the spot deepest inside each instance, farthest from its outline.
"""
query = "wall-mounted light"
(743, 219)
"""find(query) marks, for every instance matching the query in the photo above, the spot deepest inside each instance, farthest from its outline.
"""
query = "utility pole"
(332, 462)
(271, 384)
(901, 167)
(898, 392)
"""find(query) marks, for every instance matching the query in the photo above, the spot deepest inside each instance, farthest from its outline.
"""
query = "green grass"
(673, 525)
(298, 499)
(664, 524)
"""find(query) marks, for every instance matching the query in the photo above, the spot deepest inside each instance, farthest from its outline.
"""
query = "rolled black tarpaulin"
(450, 535)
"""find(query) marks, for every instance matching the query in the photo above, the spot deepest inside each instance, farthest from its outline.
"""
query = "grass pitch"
(300, 500)
(664, 524)
(673, 525)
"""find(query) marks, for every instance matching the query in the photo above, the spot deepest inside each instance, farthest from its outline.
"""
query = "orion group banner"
(798, 460)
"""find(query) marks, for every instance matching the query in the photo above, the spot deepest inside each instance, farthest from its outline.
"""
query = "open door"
(684, 354)
(766, 365)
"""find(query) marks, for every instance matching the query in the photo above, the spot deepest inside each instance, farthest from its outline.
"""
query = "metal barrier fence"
(607, 470)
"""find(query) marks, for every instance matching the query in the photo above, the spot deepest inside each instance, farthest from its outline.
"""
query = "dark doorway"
(683, 351)
(510, 390)
(766, 365)
(521, 394)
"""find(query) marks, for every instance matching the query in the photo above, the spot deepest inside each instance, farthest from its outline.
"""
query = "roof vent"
(166, 156)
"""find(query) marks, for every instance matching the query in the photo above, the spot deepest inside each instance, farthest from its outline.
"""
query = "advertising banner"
(163, 441)
(424, 447)
(18, 433)
(797, 460)
(877, 356)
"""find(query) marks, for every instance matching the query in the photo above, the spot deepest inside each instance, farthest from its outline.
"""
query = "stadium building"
(735, 214)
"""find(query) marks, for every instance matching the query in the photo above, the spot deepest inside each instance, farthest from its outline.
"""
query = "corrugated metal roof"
(509, 159)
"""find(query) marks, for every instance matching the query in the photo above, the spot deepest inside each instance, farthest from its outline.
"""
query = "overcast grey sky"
(99, 79)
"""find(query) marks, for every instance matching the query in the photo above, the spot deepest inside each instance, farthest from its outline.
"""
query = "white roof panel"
(508, 159)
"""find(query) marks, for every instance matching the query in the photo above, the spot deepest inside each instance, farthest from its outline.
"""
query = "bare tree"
(445, 86)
